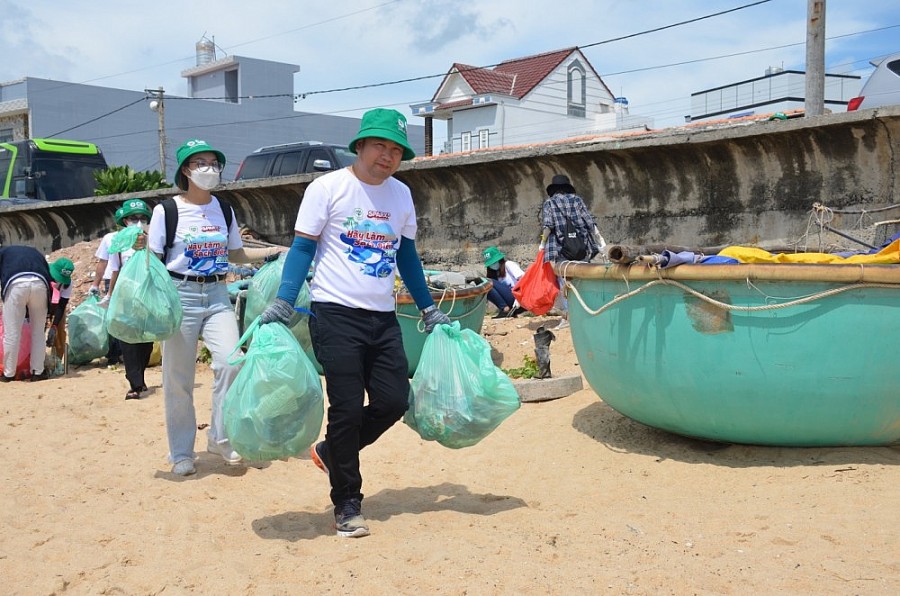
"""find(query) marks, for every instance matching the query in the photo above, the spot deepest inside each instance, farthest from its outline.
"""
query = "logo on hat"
(401, 124)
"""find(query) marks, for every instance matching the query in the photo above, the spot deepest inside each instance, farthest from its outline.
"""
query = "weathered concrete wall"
(746, 183)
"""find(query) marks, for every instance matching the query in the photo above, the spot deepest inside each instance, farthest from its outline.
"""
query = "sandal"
(133, 394)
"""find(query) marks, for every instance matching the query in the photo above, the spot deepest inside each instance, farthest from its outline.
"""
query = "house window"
(576, 90)
(6, 135)
(466, 141)
(482, 138)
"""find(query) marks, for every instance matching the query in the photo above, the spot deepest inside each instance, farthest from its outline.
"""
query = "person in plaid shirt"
(562, 202)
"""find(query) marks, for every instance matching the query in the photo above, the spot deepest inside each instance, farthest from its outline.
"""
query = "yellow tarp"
(889, 255)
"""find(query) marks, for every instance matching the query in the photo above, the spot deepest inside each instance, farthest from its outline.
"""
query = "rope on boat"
(718, 303)
(444, 291)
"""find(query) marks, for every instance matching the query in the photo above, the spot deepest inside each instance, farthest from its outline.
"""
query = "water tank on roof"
(206, 51)
(620, 104)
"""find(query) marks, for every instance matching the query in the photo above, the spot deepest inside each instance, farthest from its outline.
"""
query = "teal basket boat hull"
(466, 306)
(822, 373)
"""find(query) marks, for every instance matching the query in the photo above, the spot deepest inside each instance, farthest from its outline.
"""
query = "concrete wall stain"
(743, 183)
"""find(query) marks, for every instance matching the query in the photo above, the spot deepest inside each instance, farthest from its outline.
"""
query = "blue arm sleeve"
(410, 268)
(296, 266)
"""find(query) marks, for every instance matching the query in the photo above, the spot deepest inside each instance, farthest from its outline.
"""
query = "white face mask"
(205, 180)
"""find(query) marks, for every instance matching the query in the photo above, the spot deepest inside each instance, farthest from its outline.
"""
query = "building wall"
(771, 93)
(130, 136)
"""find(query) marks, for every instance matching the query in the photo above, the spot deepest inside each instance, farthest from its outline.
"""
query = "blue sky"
(137, 45)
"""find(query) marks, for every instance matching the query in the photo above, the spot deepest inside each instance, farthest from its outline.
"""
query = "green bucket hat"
(61, 270)
(492, 255)
(384, 123)
(132, 207)
(193, 147)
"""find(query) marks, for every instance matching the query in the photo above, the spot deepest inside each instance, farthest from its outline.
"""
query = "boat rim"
(794, 272)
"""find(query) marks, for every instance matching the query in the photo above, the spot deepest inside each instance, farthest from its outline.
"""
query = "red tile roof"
(516, 77)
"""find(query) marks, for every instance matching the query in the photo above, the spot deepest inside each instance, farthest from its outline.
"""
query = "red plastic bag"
(536, 291)
(23, 366)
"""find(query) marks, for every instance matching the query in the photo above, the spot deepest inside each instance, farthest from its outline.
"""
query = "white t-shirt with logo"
(201, 243)
(359, 227)
(102, 254)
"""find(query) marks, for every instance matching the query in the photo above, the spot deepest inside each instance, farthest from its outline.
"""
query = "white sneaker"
(563, 324)
(224, 449)
(184, 467)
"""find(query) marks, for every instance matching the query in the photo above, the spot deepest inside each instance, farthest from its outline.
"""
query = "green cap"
(132, 207)
(61, 270)
(193, 147)
(492, 255)
(383, 123)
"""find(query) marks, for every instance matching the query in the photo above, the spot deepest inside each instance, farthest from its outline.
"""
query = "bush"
(119, 179)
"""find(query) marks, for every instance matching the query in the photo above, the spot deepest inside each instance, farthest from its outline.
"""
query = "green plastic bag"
(145, 306)
(261, 293)
(457, 396)
(275, 406)
(87, 334)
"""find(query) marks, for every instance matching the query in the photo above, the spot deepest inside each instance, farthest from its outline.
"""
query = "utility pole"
(815, 58)
(158, 106)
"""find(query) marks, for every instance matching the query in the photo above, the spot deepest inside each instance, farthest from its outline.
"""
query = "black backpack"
(171, 211)
(572, 246)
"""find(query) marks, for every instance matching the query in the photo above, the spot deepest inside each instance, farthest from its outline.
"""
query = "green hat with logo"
(193, 147)
(492, 255)
(132, 207)
(61, 270)
(384, 123)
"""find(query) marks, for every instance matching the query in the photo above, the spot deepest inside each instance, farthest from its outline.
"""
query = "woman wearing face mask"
(136, 357)
(504, 275)
(197, 261)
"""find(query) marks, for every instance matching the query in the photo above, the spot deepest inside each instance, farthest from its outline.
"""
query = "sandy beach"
(566, 496)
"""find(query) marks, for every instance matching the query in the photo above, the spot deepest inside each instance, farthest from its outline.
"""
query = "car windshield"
(71, 177)
(345, 158)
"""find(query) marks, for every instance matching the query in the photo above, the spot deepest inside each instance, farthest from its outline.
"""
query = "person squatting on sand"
(27, 281)
(359, 224)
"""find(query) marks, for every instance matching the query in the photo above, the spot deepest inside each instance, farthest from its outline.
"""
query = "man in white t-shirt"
(359, 224)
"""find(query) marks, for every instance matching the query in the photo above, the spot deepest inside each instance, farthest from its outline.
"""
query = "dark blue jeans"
(361, 352)
(501, 295)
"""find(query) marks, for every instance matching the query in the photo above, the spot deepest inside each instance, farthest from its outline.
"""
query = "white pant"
(208, 314)
(31, 292)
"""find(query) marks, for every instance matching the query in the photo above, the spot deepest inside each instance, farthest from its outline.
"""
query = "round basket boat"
(466, 305)
(768, 354)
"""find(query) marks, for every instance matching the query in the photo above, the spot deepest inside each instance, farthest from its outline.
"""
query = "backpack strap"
(228, 213)
(171, 210)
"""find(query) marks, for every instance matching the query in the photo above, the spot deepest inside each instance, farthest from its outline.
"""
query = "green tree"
(119, 179)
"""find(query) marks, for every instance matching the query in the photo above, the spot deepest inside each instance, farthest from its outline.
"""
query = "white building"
(535, 99)
(778, 91)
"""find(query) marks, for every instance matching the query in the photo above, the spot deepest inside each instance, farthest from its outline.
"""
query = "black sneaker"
(348, 520)
(41, 377)
(5, 379)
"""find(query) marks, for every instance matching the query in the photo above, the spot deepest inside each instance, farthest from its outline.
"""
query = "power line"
(629, 36)
(97, 118)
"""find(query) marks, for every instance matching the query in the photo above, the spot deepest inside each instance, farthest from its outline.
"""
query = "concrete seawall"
(744, 183)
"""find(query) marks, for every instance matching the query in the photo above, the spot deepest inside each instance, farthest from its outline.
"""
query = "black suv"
(294, 158)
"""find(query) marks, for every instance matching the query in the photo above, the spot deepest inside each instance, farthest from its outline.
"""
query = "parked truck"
(48, 169)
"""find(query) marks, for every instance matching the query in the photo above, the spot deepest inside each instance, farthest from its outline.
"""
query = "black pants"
(136, 358)
(361, 352)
